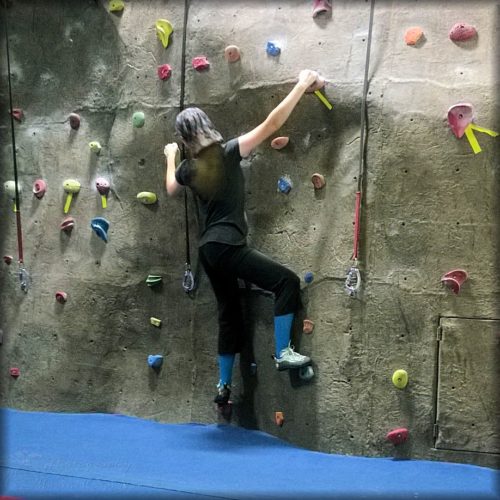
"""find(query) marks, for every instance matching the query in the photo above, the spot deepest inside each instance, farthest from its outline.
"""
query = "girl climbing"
(213, 172)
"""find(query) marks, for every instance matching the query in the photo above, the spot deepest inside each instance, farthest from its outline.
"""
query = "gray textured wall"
(429, 205)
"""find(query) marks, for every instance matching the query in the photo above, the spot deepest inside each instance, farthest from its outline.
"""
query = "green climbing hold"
(400, 379)
(153, 280)
(138, 119)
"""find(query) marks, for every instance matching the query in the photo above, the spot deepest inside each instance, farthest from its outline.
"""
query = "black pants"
(224, 264)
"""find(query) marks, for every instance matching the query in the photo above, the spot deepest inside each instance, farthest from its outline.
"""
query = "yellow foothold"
(116, 5)
(147, 197)
(155, 322)
(323, 99)
(400, 379)
(163, 31)
(95, 147)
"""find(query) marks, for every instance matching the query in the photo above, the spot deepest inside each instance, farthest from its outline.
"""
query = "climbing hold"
(253, 369)
(454, 279)
(397, 436)
(459, 117)
(272, 49)
(153, 280)
(279, 418)
(461, 32)
(279, 142)
(100, 225)
(74, 121)
(323, 99)
(200, 63)
(39, 188)
(164, 71)
(285, 184)
(317, 85)
(103, 187)
(155, 322)
(8, 259)
(460, 120)
(17, 114)
(10, 189)
(71, 186)
(320, 6)
(232, 53)
(95, 147)
(353, 281)
(163, 31)
(413, 36)
(67, 224)
(61, 297)
(308, 326)
(318, 181)
(116, 5)
(309, 277)
(15, 372)
(306, 372)
(400, 379)
(147, 197)
(155, 360)
(138, 119)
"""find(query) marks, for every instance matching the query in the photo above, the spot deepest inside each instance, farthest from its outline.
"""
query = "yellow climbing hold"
(469, 133)
(163, 30)
(147, 197)
(116, 5)
(400, 379)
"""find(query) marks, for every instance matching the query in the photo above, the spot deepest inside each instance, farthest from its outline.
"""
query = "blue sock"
(282, 331)
(226, 362)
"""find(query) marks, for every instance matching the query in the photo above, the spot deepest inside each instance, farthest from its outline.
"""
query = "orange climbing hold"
(279, 418)
(413, 36)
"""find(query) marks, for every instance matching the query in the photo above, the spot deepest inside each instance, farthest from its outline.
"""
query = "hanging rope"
(23, 274)
(353, 278)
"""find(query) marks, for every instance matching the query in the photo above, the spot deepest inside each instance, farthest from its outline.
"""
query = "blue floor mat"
(61, 455)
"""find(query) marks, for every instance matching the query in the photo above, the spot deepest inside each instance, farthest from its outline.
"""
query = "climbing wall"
(429, 206)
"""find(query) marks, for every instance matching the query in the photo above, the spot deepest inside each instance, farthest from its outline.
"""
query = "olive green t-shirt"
(217, 180)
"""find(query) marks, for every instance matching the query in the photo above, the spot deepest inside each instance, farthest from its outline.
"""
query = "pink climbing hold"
(8, 259)
(320, 6)
(459, 117)
(232, 53)
(318, 181)
(200, 63)
(39, 188)
(279, 142)
(462, 32)
(61, 297)
(455, 279)
(67, 224)
(15, 372)
(413, 36)
(17, 114)
(308, 326)
(164, 71)
(397, 436)
(74, 121)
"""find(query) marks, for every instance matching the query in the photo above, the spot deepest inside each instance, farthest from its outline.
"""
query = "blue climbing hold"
(272, 49)
(100, 225)
(308, 277)
(284, 184)
(155, 360)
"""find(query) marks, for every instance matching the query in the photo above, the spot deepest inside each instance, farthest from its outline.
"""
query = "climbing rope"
(22, 273)
(188, 282)
(353, 278)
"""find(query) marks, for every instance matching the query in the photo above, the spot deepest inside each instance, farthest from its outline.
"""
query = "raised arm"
(278, 116)
(171, 183)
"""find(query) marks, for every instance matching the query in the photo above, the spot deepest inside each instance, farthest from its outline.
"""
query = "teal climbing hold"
(138, 119)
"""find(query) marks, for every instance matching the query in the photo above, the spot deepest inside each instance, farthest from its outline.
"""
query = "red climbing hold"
(8, 259)
(164, 71)
(39, 188)
(461, 32)
(200, 63)
(18, 114)
(74, 121)
(320, 6)
(61, 297)
(15, 372)
(67, 224)
(397, 436)
(279, 142)
(459, 117)
(454, 279)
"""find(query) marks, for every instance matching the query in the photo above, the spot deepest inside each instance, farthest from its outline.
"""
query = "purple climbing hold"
(74, 121)
(462, 32)
(320, 6)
